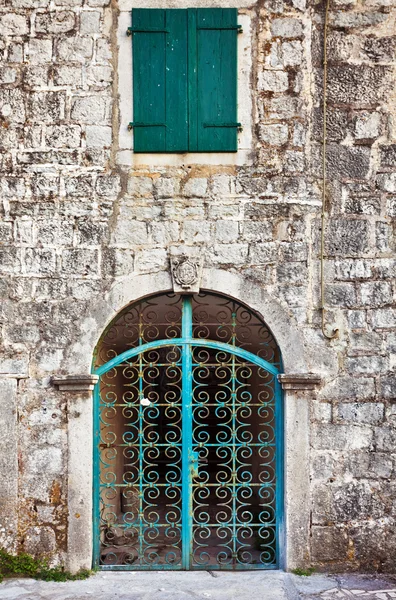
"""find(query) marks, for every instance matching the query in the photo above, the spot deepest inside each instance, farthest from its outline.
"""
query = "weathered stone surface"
(82, 216)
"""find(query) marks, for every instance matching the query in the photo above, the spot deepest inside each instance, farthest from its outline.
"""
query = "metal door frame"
(186, 343)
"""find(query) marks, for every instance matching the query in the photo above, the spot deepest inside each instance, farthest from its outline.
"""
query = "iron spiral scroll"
(188, 437)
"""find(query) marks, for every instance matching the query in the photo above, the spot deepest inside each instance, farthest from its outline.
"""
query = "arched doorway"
(188, 437)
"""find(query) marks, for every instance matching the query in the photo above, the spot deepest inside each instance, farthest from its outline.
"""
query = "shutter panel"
(159, 47)
(216, 82)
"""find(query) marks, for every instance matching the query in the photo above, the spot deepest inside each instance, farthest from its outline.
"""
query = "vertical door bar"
(279, 475)
(96, 475)
(187, 518)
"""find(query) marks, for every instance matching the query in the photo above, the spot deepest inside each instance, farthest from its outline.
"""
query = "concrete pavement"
(253, 585)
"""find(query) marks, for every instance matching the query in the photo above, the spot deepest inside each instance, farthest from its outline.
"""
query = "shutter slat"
(217, 31)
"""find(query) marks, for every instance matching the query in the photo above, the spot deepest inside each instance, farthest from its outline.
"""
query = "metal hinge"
(132, 125)
(237, 125)
(132, 30)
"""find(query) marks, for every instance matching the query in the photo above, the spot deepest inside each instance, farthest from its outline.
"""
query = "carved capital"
(75, 383)
(299, 381)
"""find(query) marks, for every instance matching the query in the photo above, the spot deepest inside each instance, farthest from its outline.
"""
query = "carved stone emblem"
(185, 271)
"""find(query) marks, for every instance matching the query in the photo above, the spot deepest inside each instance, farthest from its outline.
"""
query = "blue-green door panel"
(234, 374)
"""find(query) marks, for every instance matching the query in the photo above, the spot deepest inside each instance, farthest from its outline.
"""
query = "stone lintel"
(75, 383)
(299, 381)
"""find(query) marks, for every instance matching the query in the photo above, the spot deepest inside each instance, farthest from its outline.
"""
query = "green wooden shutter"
(160, 108)
(185, 80)
(216, 81)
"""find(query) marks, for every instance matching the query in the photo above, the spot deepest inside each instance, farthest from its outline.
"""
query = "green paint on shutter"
(184, 80)
(160, 111)
(217, 79)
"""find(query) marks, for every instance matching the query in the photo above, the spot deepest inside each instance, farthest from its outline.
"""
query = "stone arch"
(78, 361)
(128, 290)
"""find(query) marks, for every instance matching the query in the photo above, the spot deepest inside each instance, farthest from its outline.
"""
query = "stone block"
(387, 182)
(275, 135)
(80, 186)
(108, 186)
(337, 123)
(40, 261)
(273, 81)
(367, 125)
(385, 438)
(63, 136)
(80, 261)
(385, 237)
(195, 187)
(388, 387)
(366, 342)
(151, 260)
(140, 186)
(367, 365)
(359, 84)
(329, 544)
(39, 50)
(362, 206)
(59, 21)
(10, 260)
(167, 187)
(349, 387)
(46, 185)
(196, 232)
(221, 185)
(348, 161)
(8, 75)
(341, 437)
(13, 24)
(98, 136)
(129, 233)
(285, 107)
(226, 231)
(257, 231)
(75, 49)
(376, 293)
(294, 272)
(90, 109)
(36, 76)
(341, 294)
(228, 254)
(347, 237)
(383, 318)
(353, 269)
(14, 365)
(68, 75)
(286, 28)
(46, 107)
(103, 50)
(5, 233)
(357, 20)
(164, 233)
(380, 49)
(89, 22)
(52, 232)
(358, 412)
(12, 187)
(91, 233)
(12, 105)
(99, 75)
(117, 262)
(265, 252)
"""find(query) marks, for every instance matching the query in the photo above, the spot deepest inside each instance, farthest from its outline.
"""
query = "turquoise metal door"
(188, 444)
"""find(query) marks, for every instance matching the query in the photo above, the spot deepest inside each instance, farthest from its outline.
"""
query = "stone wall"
(75, 219)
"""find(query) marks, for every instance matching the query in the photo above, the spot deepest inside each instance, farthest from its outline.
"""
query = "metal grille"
(187, 438)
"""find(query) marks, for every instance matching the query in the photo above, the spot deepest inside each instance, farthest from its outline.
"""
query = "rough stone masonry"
(76, 218)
